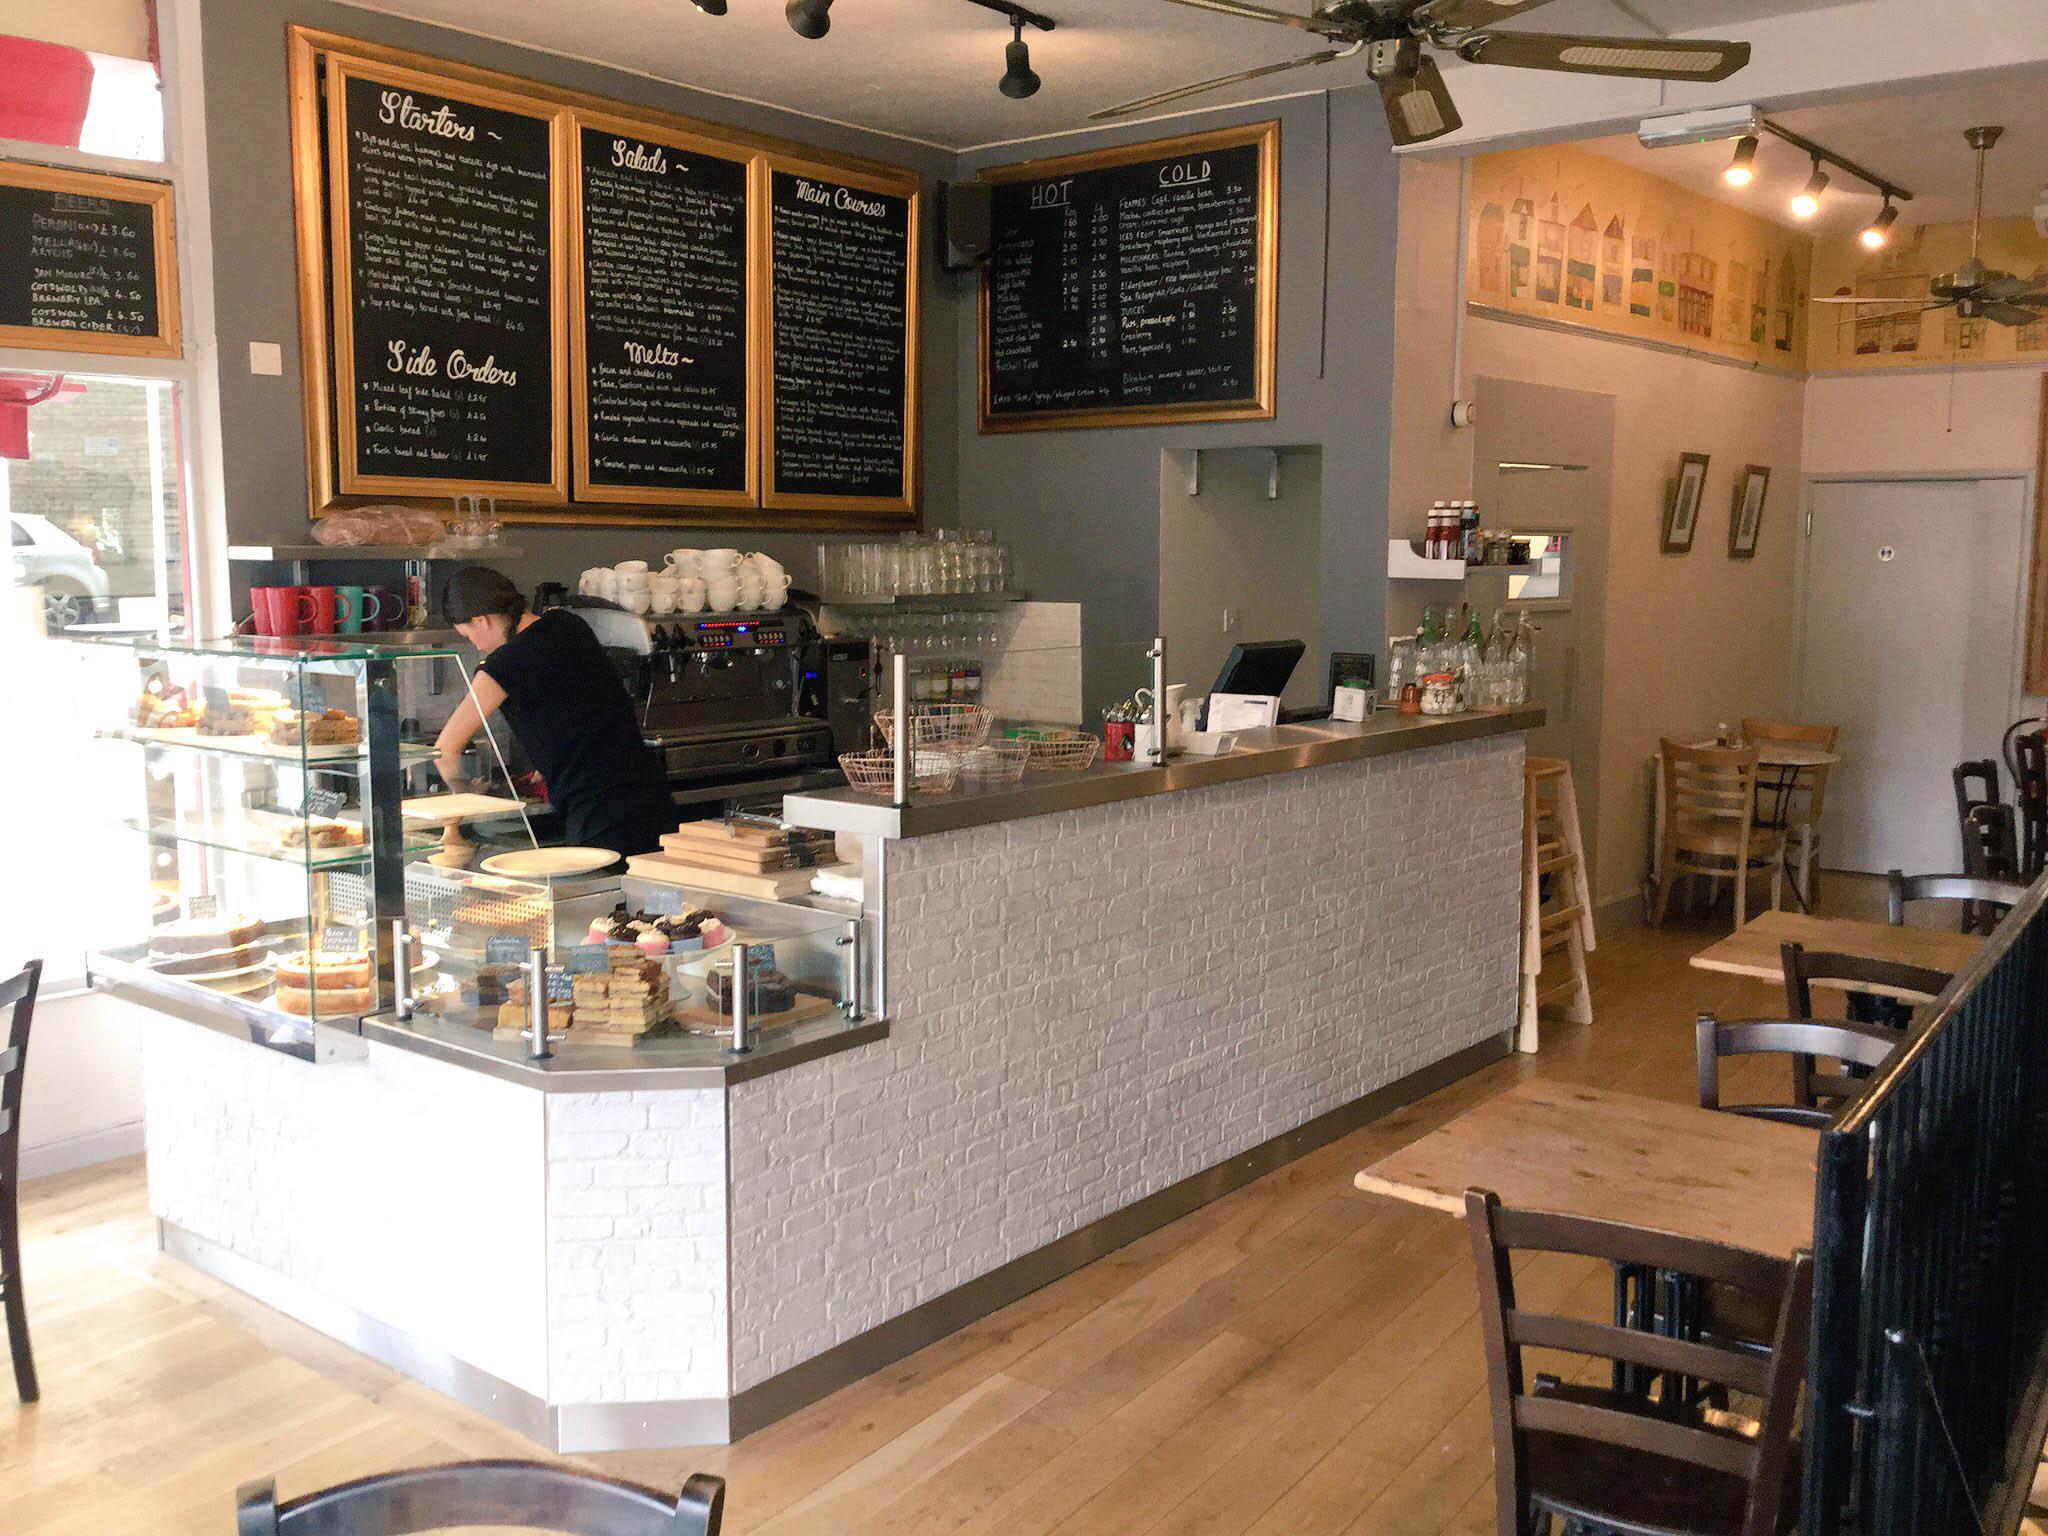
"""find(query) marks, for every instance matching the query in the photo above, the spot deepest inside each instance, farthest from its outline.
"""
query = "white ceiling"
(927, 69)
(1915, 141)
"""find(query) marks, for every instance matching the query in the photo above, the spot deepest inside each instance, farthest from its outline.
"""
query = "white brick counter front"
(1098, 1018)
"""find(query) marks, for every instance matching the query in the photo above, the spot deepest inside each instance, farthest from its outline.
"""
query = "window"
(70, 96)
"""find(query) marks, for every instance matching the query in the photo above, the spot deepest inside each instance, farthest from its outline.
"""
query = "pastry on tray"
(676, 933)
(315, 728)
(320, 833)
(203, 935)
(331, 1002)
(768, 991)
(323, 971)
(210, 962)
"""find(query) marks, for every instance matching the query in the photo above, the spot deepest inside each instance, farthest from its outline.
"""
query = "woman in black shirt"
(568, 708)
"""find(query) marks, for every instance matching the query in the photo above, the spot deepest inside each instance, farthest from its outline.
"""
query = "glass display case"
(630, 965)
(274, 791)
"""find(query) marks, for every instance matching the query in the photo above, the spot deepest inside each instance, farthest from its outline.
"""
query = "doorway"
(1910, 640)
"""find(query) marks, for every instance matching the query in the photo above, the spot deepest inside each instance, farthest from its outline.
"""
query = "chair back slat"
(509, 1494)
(1803, 967)
(18, 1000)
(1588, 1237)
(1638, 1432)
(1985, 899)
(1863, 1045)
(1580, 1336)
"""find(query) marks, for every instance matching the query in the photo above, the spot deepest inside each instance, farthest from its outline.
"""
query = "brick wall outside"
(1090, 1006)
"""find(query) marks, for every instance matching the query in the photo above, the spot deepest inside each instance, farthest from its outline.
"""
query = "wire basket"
(1063, 751)
(955, 727)
(932, 771)
(995, 762)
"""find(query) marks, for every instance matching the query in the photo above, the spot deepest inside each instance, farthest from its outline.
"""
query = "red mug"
(282, 611)
(324, 601)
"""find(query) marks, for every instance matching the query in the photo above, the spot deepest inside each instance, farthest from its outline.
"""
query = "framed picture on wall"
(1682, 507)
(1748, 514)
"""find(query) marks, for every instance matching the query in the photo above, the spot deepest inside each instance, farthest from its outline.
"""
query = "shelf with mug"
(931, 601)
(446, 550)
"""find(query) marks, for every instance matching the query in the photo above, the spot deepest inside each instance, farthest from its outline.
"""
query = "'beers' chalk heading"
(398, 108)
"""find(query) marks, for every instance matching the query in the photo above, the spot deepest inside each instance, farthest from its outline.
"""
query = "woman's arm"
(484, 697)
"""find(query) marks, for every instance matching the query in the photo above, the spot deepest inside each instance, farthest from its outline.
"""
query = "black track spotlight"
(1019, 80)
(1878, 232)
(1742, 168)
(809, 18)
(710, 7)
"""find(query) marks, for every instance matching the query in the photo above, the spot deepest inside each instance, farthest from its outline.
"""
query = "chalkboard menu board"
(86, 263)
(661, 277)
(447, 288)
(843, 359)
(1133, 285)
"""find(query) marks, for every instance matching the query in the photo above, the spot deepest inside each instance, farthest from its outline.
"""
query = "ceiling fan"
(1393, 33)
(1975, 291)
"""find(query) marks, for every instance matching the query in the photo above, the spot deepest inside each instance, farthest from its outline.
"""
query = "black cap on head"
(477, 590)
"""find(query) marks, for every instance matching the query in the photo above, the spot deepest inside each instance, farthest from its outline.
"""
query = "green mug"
(362, 607)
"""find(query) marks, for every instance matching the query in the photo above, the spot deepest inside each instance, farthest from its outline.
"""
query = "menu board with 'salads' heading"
(842, 372)
(1133, 285)
(86, 263)
(446, 289)
(662, 372)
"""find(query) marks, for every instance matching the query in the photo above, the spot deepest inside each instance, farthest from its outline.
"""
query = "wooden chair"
(1611, 1458)
(1864, 1045)
(1803, 801)
(1978, 896)
(18, 999)
(521, 1495)
(1710, 824)
(1976, 784)
(1906, 987)
(2030, 800)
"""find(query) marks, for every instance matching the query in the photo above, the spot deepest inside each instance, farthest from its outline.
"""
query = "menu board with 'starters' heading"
(446, 289)
(1133, 285)
(662, 319)
(843, 307)
(87, 262)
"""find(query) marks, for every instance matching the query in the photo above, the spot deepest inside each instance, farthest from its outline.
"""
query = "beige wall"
(119, 27)
(1690, 640)
(1925, 422)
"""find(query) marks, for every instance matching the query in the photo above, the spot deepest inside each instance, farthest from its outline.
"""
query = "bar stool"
(1557, 932)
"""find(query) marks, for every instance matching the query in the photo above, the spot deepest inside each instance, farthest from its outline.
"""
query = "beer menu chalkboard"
(445, 289)
(86, 263)
(1133, 285)
(661, 319)
(839, 263)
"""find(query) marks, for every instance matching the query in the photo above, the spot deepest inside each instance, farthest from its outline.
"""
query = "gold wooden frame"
(2036, 665)
(858, 511)
(353, 481)
(655, 131)
(1266, 138)
(308, 48)
(167, 339)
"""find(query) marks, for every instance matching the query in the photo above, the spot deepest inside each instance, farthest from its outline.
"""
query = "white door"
(1911, 643)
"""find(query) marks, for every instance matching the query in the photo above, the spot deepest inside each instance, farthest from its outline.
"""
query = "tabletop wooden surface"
(1785, 754)
(1582, 1151)
(1752, 950)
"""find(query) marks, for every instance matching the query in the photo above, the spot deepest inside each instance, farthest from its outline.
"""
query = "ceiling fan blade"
(1124, 109)
(1461, 14)
(1646, 58)
(2011, 314)
(1245, 11)
(1419, 106)
(2006, 288)
(1845, 299)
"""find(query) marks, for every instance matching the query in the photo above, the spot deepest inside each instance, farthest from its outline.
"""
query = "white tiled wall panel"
(1088, 1007)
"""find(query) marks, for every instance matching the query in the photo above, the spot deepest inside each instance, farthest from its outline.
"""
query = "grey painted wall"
(248, 132)
(1081, 508)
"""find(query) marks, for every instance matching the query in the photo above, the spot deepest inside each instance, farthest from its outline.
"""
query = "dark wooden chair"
(522, 1495)
(1615, 1460)
(18, 1000)
(1990, 851)
(1984, 901)
(1863, 1045)
(1976, 784)
(1859, 974)
(2030, 797)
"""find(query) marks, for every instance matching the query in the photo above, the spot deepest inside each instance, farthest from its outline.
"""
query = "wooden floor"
(1293, 1360)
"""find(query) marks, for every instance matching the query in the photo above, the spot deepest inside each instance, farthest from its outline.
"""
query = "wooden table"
(1753, 949)
(1587, 1152)
(1788, 758)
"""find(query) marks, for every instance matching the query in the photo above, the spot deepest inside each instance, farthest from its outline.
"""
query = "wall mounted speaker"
(966, 226)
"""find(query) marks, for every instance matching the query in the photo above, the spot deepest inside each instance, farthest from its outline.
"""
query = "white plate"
(548, 863)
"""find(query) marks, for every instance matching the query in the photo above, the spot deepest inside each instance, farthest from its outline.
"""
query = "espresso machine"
(740, 705)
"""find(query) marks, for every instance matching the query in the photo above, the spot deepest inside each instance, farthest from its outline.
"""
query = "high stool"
(1557, 933)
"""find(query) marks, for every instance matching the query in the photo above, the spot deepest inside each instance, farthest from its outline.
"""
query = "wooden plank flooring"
(1296, 1359)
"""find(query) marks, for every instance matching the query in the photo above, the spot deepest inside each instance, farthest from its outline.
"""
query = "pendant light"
(1879, 231)
(1807, 203)
(1742, 169)
(809, 18)
(1019, 80)
(710, 7)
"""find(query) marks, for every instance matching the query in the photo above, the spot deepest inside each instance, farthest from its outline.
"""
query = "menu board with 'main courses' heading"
(448, 312)
(839, 265)
(1132, 285)
(664, 307)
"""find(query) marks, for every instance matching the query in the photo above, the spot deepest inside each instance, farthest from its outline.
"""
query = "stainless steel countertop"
(676, 1061)
(1283, 749)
